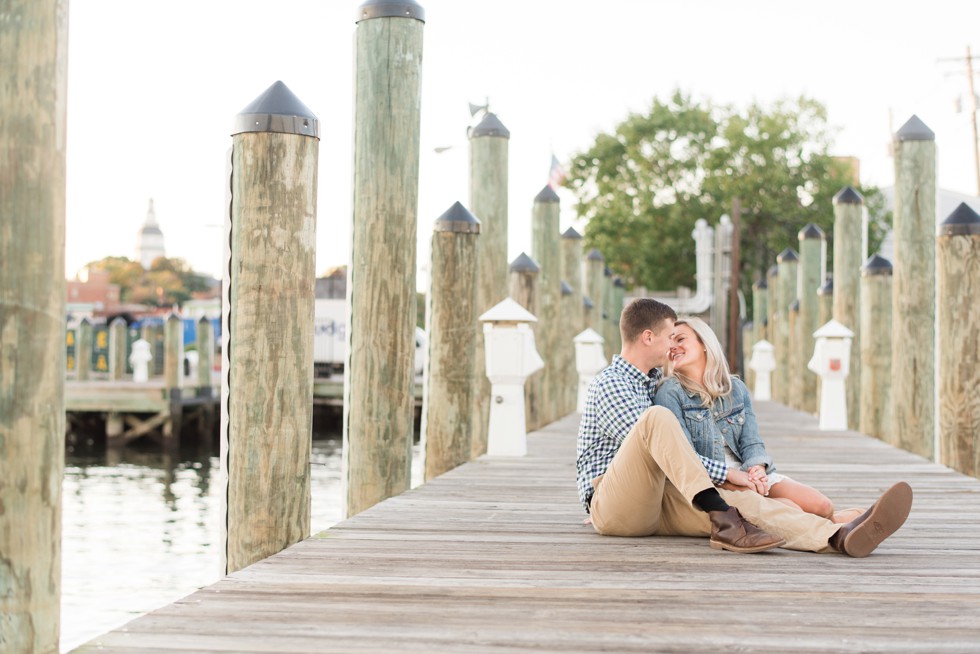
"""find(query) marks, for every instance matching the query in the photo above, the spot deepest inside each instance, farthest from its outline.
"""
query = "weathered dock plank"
(493, 557)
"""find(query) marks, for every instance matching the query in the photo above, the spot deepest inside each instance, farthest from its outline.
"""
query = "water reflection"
(142, 529)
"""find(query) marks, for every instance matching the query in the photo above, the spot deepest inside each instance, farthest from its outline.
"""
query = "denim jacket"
(728, 420)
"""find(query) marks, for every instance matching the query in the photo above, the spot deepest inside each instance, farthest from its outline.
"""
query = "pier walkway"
(493, 557)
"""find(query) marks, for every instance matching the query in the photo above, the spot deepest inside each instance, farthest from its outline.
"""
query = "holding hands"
(754, 478)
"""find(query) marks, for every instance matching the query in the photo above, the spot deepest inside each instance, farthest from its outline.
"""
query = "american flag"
(557, 174)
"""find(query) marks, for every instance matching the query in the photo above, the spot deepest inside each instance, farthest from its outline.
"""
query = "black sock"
(710, 500)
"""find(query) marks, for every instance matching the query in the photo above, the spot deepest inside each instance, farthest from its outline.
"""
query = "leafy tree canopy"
(167, 282)
(642, 187)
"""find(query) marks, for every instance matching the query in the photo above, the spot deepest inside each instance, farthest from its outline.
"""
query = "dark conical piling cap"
(586, 302)
(773, 271)
(595, 255)
(962, 222)
(571, 233)
(524, 264)
(618, 282)
(565, 288)
(795, 306)
(457, 219)
(788, 255)
(606, 272)
(547, 194)
(277, 110)
(847, 195)
(876, 265)
(761, 284)
(914, 130)
(490, 126)
(390, 9)
(810, 231)
(827, 288)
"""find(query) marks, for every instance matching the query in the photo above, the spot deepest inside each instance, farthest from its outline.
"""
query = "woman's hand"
(743, 480)
(758, 472)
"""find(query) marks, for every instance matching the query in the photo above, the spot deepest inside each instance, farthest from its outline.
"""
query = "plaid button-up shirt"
(616, 399)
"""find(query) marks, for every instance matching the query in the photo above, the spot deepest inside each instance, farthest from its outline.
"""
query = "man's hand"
(758, 472)
(743, 480)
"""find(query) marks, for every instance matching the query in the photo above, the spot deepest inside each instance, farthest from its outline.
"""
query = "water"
(141, 529)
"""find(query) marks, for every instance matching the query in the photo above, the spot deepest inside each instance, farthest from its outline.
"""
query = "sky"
(154, 85)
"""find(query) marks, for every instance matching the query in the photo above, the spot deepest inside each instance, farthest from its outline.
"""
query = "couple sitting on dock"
(683, 456)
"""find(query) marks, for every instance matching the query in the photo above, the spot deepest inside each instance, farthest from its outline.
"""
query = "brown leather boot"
(730, 531)
(861, 536)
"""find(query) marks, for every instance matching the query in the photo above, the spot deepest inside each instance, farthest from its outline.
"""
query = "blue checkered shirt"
(616, 399)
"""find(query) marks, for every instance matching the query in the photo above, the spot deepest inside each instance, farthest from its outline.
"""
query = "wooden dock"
(493, 557)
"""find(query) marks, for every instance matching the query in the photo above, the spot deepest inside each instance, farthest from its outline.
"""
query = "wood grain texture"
(848, 258)
(876, 357)
(33, 95)
(546, 251)
(493, 557)
(379, 380)
(447, 395)
(795, 357)
(785, 296)
(269, 416)
(204, 332)
(913, 296)
(573, 316)
(173, 351)
(83, 351)
(959, 352)
(488, 202)
(117, 349)
(594, 290)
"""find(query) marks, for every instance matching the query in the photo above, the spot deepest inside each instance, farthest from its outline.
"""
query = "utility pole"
(973, 110)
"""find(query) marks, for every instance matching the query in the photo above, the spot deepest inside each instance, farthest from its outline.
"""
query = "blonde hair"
(717, 381)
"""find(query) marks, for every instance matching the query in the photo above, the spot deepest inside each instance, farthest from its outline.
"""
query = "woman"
(715, 411)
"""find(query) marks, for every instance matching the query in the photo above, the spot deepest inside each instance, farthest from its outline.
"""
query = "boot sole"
(718, 545)
(887, 515)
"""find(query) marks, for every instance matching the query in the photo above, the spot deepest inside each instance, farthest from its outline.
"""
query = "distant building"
(149, 241)
(91, 294)
(333, 285)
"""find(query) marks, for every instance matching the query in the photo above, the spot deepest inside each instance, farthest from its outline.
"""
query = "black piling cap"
(810, 231)
(761, 285)
(876, 265)
(565, 288)
(547, 194)
(606, 272)
(765, 322)
(490, 126)
(277, 110)
(828, 286)
(605, 316)
(795, 306)
(773, 271)
(914, 130)
(571, 233)
(586, 302)
(618, 282)
(788, 255)
(390, 9)
(847, 195)
(457, 219)
(594, 255)
(962, 222)
(524, 264)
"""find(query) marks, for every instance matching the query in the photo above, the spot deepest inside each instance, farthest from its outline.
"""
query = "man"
(639, 476)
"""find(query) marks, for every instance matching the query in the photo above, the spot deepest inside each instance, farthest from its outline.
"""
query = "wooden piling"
(619, 297)
(772, 300)
(876, 348)
(33, 61)
(489, 146)
(788, 263)
(173, 376)
(607, 302)
(812, 245)
(546, 250)
(379, 378)
(569, 313)
(825, 301)
(118, 350)
(913, 289)
(595, 265)
(204, 331)
(574, 322)
(267, 419)
(795, 355)
(958, 280)
(848, 257)
(447, 392)
(760, 322)
(83, 351)
(524, 273)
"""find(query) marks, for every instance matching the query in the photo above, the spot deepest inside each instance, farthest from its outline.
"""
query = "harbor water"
(141, 528)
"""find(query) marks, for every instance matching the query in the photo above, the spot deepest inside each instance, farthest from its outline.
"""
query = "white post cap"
(589, 335)
(833, 329)
(508, 311)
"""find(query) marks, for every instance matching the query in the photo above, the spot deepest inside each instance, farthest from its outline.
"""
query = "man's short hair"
(642, 314)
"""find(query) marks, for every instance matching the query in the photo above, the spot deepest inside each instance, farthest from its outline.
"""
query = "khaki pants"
(649, 484)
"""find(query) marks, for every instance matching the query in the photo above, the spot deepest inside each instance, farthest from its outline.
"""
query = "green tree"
(642, 188)
(167, 282)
